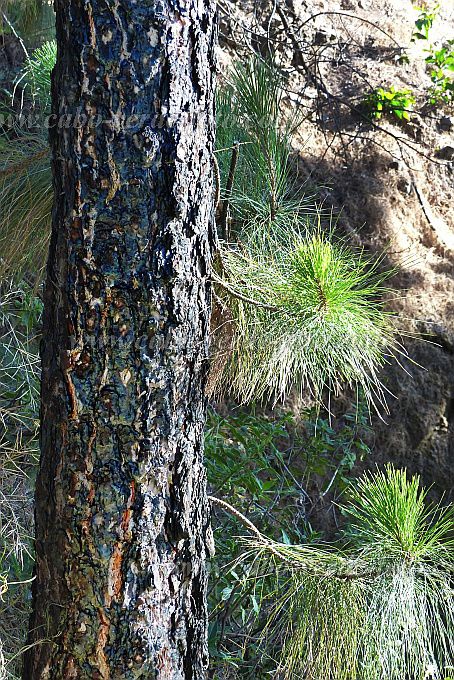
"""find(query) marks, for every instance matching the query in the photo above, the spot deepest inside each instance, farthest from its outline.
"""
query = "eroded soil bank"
(392, 182)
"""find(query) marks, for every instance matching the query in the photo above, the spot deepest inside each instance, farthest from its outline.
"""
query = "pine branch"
(244, 298)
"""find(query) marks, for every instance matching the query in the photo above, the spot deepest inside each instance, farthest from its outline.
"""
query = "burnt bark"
(122, 521)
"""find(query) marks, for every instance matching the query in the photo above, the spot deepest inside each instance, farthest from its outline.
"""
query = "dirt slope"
(389, 181)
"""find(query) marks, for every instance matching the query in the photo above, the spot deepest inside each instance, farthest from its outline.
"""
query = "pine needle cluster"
(37, 73)
(250, 117)
(25, 207)
(309, 313)
(303, 309)
(23, 13)
(26, 180)
(382, 608)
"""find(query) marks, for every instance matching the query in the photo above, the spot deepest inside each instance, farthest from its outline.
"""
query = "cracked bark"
(122, 521)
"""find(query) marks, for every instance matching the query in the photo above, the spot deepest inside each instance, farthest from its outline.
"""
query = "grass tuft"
(25, 207)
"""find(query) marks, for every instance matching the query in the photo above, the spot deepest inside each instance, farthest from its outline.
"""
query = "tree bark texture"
(122, 520)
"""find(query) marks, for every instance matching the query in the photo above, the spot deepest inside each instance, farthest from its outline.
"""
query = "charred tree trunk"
(122, 526)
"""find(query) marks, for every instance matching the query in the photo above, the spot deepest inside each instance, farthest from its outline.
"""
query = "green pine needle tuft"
(318, 321)
(251, 113)
(380, 609)
(389, 512)
(37, 72)
(26, 181)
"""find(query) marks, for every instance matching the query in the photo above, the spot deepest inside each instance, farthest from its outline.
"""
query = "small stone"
(320, 38)
(445, 123)
(446, 153)
(395, 165)
(405, 186)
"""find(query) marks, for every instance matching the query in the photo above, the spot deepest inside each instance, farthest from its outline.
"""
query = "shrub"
(424, 22)
(398, 103)
(441, 63)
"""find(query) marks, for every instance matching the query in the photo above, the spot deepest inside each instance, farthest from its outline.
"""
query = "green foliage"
(250, 463)
(424, 22)
(410, 543)
(242, 456)
(303, 309)
(23, 14)
(25, 207)
(33, 20)
(381, 607)
(332, 452)
(250, 113)
(440, 61)
(389, 515)
(268, 469)
(317, 322)
(20, 313)
(26, 181)
(393, 102)
(37, 73)
(441, 68)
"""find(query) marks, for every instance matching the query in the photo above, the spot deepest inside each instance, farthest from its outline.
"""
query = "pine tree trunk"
(122, 521)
